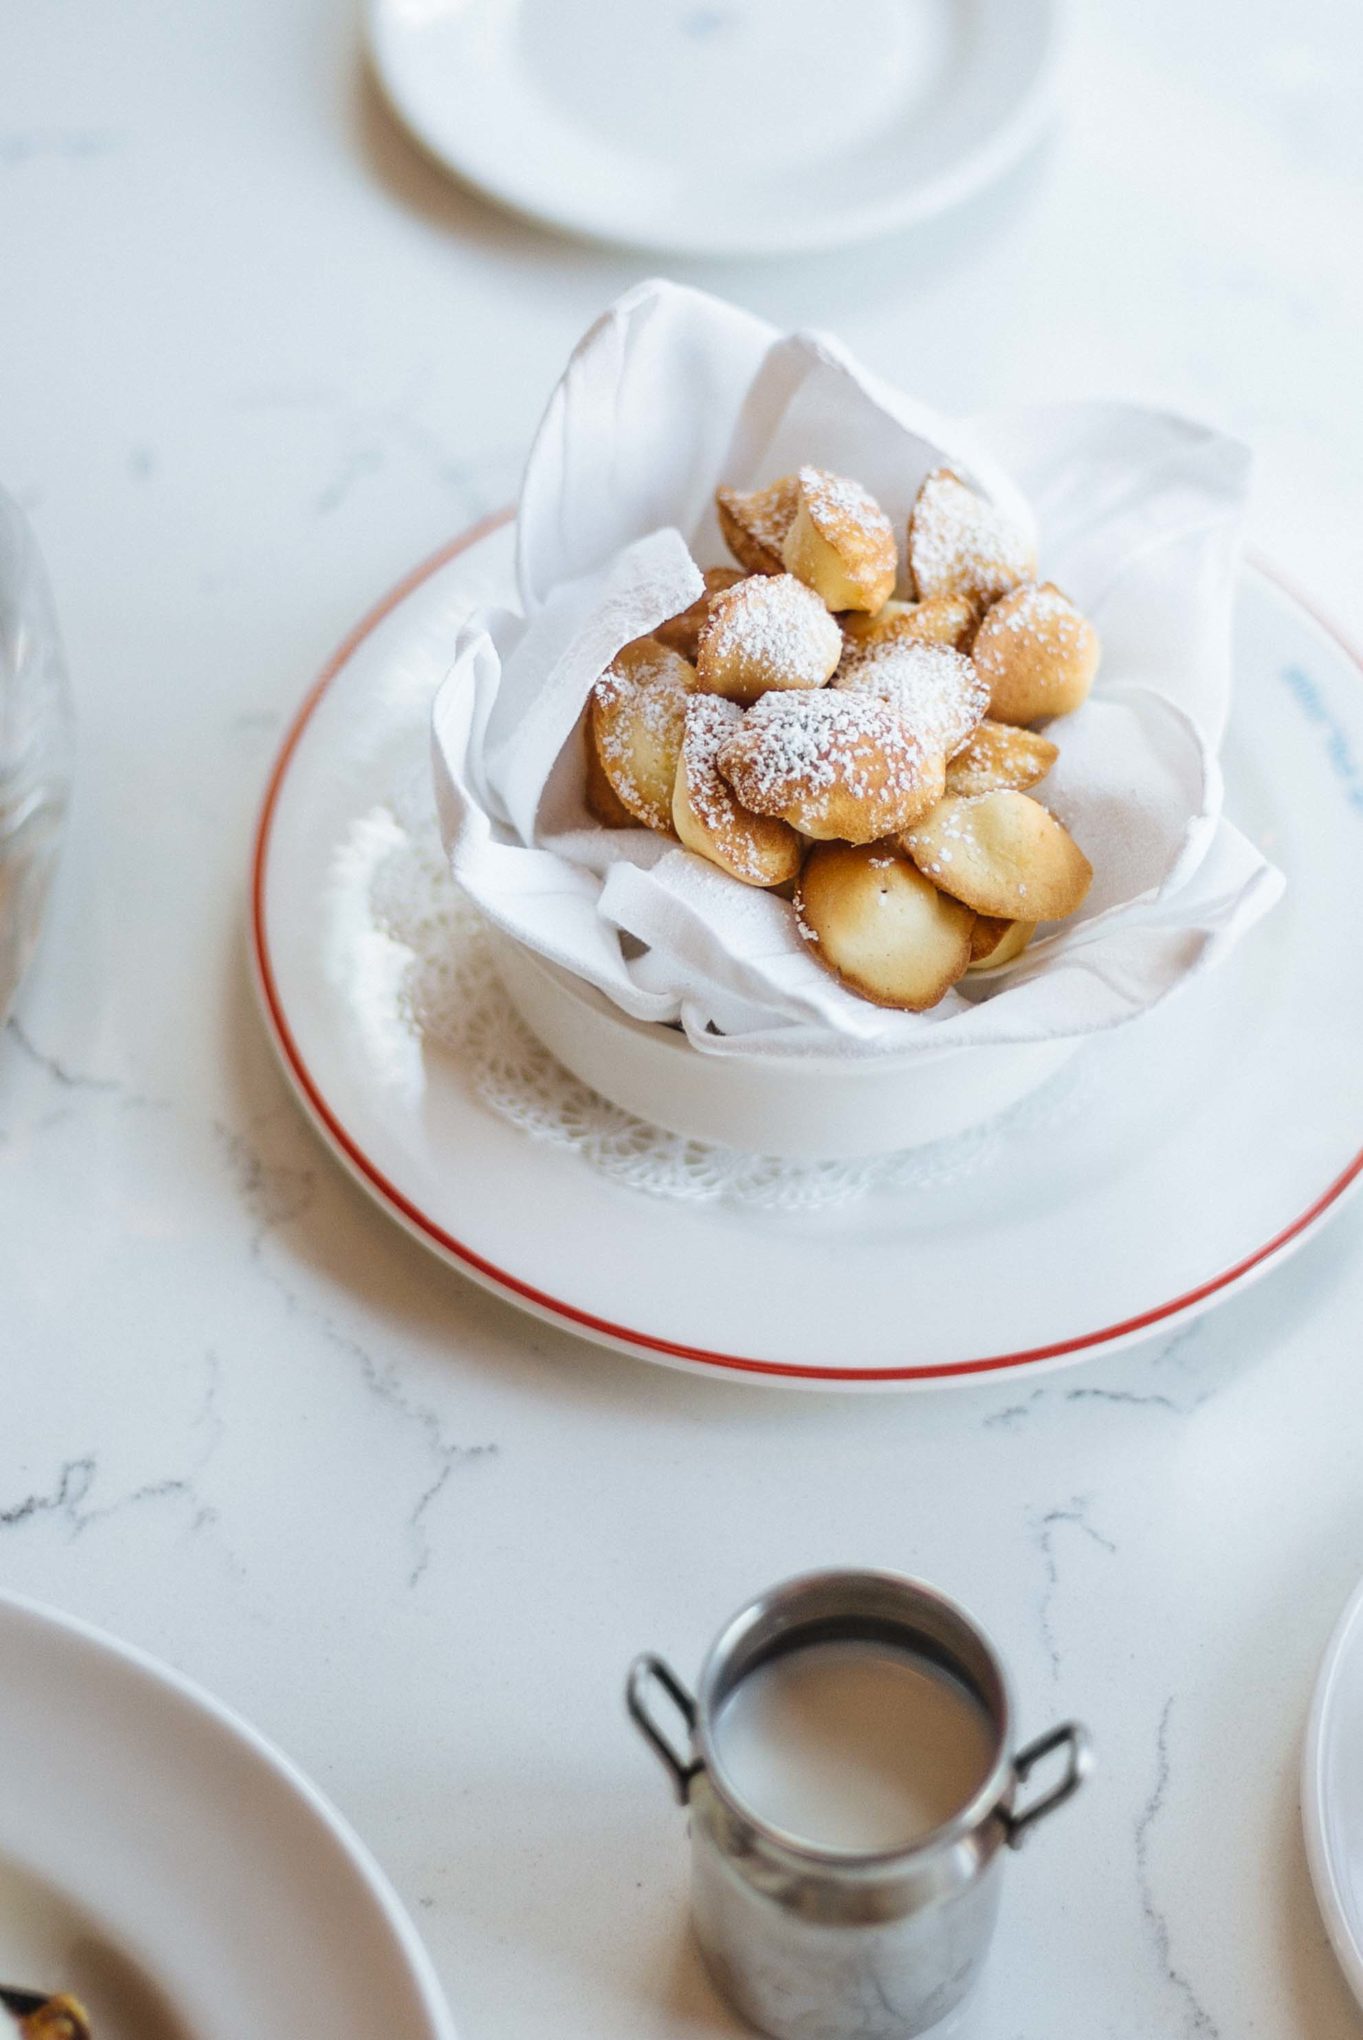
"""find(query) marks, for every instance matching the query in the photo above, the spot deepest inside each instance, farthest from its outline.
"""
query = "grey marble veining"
(250, 1425)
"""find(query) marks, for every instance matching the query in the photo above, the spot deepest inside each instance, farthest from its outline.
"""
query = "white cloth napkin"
(672, 392)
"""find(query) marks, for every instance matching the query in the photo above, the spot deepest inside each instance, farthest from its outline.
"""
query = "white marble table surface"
(258, 357)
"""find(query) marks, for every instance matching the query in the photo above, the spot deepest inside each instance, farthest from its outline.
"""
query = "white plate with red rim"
(1216, 1134)
(721, 127)
(161, 1862)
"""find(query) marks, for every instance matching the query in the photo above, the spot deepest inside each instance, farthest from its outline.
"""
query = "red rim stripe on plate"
(555, 1306)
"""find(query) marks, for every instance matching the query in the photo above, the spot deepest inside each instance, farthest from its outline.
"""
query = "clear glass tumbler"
(36, 744)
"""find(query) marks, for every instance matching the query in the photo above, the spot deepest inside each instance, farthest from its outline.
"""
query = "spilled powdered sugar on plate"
(453, 999)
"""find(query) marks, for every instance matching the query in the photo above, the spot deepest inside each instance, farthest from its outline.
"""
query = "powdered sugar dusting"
(638, 708)
(769, 631)
(1037, 619)
(999, 755)
(833, 764)
(847, 515)
(934, 848)
(959, 544)
(640, 665)
(710, 722)
(936, 690)
(766, 515)
(943, 620)
(681, 631)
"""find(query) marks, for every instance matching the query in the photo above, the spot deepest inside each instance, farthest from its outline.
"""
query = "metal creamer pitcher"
(812, 1943)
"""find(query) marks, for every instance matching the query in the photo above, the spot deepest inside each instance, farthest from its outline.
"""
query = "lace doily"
(454, 999)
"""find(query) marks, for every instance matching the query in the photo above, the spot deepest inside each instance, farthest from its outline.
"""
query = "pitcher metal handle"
(1068, 1736)
(648, 1671)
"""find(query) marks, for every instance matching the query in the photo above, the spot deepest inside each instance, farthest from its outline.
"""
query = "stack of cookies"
(869, 755)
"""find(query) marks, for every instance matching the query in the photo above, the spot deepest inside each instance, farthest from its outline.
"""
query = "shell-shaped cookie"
(935, 689)
(834, 765)
(993, 943)
(31, 2017)
(944, 620)
(758, 849)
(999, 755)
(636, 720)
(871, 918)
(841, 542)
(603, 801)
(681, 632)
(767, 631)
(1038, 653)
(1002, 854)
(755, 522)
(959, 544)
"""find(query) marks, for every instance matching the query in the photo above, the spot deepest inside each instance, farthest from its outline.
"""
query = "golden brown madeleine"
(1038, 653)
(1000, 755)
(61, 2018)
(637, 715)
(937, 690)
(945, 620)
(755, 522)
(758, 849)
(832, 764)
(1002, 854)
(766, 631)
(841, 542)
(603, 801)
(871, 918)
(680, 632)
(959, 544)
(994, 943)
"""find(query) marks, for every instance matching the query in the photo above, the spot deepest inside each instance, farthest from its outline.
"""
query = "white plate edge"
(1324, 1880)
(993, 158)
(769, 1375)
(366, 1866)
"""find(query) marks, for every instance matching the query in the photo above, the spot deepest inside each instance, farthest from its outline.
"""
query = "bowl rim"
(669, 1037)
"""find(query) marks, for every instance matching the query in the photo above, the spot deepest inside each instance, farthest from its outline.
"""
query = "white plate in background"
(721, 127)
(163, 1863)
(1332, 1792)
(1214, 1135)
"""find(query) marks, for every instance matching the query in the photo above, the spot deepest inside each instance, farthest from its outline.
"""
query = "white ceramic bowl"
(816, 1109)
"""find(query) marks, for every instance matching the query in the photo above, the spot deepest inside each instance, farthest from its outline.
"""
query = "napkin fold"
(1137, 516)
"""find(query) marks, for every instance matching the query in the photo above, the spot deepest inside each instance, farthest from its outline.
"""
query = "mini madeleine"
(960, 544)
(936, 690)
(1002, 854)
(999, 755)
(994, 943)
(754, 522)
(841, 542)
(636, 719)
(757, 849)
(1038, 653)
(944, 620)
(681, 633)
(766, 631)
(835, 766)
(873, 920)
